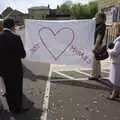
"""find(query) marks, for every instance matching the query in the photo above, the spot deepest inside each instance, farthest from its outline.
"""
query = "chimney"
(48, 6)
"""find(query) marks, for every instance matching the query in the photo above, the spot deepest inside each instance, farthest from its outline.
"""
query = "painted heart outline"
(55, 34)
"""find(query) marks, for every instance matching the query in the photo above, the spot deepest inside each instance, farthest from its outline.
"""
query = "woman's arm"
(116, 50)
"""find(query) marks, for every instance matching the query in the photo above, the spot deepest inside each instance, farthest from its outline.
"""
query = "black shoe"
(93, 78)
(12, 118)
(21, 111)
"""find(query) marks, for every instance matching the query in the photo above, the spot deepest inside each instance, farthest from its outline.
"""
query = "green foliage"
(93, 8)
(78, 11)
(65, 8)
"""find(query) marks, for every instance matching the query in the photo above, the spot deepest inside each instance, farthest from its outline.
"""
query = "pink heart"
(55, 34)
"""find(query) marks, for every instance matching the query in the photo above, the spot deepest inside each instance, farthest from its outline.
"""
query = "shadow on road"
(32, 114)
(83, 84)
(105, 82)
(31, 76)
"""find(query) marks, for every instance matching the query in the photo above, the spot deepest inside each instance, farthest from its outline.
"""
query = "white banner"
(60, 42)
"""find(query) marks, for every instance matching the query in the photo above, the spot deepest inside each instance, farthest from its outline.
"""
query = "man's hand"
(95, 50)
(111, 45)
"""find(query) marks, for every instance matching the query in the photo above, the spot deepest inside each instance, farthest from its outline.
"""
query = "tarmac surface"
(67, 94)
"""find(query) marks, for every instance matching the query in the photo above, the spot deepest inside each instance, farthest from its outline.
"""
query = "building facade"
(6, 12)
(39, 12)
(112, 10)
(15, 14)
(45, 13)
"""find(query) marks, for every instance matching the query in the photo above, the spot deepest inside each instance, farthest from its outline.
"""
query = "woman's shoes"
(113, 96)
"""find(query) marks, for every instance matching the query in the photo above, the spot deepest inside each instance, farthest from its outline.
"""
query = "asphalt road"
(67, 95)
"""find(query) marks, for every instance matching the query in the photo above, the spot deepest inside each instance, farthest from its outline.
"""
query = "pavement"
(67, 94)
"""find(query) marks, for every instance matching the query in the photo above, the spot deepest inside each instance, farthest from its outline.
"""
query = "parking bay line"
(46, 96)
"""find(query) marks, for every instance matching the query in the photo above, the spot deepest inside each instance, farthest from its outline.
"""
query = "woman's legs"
(115, 93)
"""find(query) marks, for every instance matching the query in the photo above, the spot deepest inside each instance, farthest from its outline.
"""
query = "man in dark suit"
(11, 53)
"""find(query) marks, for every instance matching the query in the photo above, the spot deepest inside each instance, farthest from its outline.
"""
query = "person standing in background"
(114, 52)
(11, 53)
(98, 41)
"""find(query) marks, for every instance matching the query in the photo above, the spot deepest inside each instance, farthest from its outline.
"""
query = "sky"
(23, 5)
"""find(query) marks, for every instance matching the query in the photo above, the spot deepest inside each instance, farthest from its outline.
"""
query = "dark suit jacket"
(11, 52)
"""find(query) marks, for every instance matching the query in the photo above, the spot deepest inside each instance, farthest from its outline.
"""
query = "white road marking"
(82, 79)
(48, 83)
(84, 73)
(46, 96)
(64, 75)
(105, 77)
(79, 71)
(64, 80)
(105, 71)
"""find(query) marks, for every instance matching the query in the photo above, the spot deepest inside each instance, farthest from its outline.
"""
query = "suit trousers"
(14, 91)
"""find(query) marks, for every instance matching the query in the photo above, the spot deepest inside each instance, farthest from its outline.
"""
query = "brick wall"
(107, 3)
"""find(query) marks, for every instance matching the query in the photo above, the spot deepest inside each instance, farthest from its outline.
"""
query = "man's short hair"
(8, 23)
(102, 15)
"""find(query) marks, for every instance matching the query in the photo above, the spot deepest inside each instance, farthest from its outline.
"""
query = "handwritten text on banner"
(60, 42)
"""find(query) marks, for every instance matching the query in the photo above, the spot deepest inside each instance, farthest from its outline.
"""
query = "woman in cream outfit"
(115, 68)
